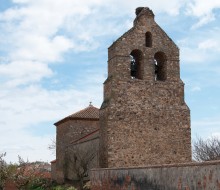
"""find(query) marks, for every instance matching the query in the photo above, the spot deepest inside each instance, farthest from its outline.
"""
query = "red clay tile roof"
(53, 161)
(88, 113)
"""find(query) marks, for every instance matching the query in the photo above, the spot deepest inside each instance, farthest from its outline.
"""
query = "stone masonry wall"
(86, 149)
(152, 128)
(144, 121)
(53, 171)
(194, 176)
(67, 132)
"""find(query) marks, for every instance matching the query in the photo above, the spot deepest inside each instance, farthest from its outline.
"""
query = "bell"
(133, 68)
(156, 68)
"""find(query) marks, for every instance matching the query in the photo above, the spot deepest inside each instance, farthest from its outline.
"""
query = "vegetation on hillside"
(26, 175)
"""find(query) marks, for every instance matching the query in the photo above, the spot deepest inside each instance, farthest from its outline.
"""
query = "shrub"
(39, 184)
(87, 186)
(71, 188)
(58, 188)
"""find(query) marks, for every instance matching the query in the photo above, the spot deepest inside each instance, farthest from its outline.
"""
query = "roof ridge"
(122, 36)
(80, 111)
(89, 112)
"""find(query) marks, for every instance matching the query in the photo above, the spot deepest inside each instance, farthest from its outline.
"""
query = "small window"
(133, 67)
(148, 39)
(136, 64)
(160, 66)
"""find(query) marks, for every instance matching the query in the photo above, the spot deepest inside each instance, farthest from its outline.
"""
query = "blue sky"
(53, 61)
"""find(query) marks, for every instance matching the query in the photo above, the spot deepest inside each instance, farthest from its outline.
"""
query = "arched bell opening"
(148, 39)
(136, 58)
(160, 65)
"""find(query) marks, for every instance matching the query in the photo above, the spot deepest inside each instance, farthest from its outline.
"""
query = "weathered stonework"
(53, 170)
(144, 120)
(71, 129)
(86, 147)
(190, 176)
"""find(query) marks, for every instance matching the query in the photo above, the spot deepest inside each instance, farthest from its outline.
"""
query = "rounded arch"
(148, 39)
(136, 66)
(160, 62)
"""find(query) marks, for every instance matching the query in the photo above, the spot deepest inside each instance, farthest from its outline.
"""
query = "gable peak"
(144, 11)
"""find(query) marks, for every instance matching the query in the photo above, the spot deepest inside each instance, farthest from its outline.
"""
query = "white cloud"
(171, 7)
(21, 1)
(191, 55)
(203, 10)
(36, 34)
(206, 127)
(196, 89)
(210, 44)
(24, 72)
(216, 135)
(32, 28)
(203, 20)
(26, 104)
(207, 123)
(32, 47)
(201, 47)
(32, 106)
(27, 146)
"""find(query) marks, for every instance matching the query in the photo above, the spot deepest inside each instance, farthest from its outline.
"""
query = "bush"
(71, 188)
(39, 184)
(38, 188)
(63, 188)
(59, 188)
(87, 186)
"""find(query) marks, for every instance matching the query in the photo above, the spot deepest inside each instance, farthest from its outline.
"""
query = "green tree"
(3, 171)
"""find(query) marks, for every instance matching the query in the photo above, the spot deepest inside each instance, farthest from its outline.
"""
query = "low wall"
(189, 176)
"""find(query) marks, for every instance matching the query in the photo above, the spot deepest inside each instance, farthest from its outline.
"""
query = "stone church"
(143, 119)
